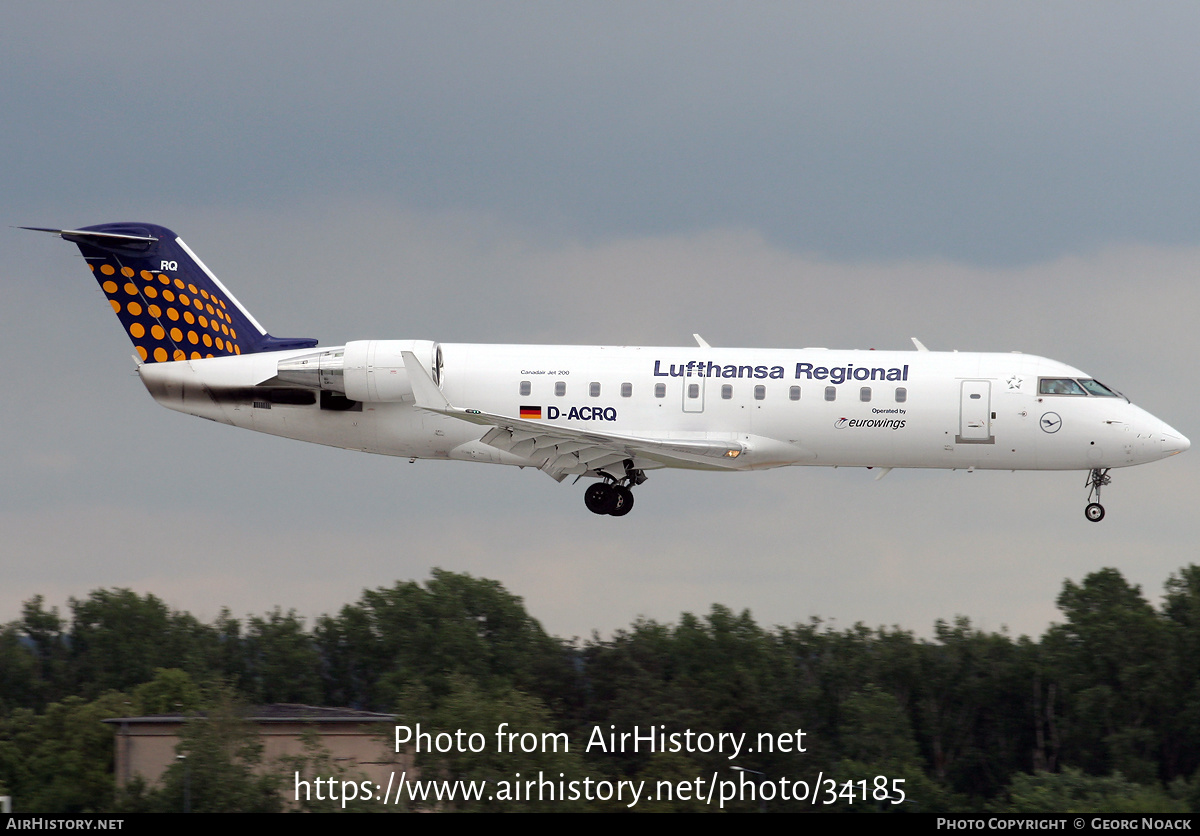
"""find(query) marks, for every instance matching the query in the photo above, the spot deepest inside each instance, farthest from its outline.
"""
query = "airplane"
(607, 413)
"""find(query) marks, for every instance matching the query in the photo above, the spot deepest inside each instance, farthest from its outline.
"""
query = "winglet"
(920, 345)
(700, 341)
(425, 391)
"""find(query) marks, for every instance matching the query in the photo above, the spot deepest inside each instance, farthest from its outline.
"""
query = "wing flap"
(577, 450)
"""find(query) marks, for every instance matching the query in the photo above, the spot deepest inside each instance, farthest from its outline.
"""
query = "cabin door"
(975, 413)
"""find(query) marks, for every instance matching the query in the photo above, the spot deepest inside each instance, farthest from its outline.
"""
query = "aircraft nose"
(1174, 442)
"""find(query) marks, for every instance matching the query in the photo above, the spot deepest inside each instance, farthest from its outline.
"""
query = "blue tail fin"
(170, 304)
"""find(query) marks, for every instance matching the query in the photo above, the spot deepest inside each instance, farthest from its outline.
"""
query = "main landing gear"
(613, 496)
(1096, 480)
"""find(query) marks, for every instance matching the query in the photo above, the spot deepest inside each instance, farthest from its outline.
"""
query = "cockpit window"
(1095, 387)
(1059, 386)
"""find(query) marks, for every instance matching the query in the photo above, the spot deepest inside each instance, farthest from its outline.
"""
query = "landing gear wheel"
(624, 502)
(600, 498)
(1097, 479)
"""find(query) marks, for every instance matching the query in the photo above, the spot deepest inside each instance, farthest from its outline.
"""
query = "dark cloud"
(984, 177)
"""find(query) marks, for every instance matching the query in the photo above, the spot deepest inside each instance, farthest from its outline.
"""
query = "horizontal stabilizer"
(109, 238)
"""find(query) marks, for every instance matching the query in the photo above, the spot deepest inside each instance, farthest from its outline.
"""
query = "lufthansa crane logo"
(1050, 423)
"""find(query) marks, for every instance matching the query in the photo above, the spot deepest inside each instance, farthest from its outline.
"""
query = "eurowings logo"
(870, 423)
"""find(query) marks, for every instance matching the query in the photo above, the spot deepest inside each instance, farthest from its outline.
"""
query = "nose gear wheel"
(1096, 480)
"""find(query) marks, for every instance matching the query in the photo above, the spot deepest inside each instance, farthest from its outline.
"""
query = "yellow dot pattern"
(139, 299)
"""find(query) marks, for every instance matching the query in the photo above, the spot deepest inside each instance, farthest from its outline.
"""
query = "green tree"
(973, 707)
(1071, 791)
(282, 662)
(539, 750)
(220, 767)
(1181, 718)
(110, 649)
(456, 625)
(61, 761)
(1110, 658)
(171, 691)
(45, 632)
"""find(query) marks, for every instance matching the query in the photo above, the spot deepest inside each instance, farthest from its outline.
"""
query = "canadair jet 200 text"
(607, 413)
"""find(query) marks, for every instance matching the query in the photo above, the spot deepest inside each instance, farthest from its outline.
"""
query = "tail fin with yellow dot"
(170, 304)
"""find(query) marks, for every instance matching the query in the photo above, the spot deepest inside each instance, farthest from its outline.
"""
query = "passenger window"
(726, 391)
(660, 390)
(693, 390)
(794, 393)
(831, 393)
(560, 388)
(594, 389)
(901, 394)
(626, 390)
(525, 387)
(760, 392)
(864, 394)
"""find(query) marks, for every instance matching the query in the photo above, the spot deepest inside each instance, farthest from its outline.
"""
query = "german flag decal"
(531, 412)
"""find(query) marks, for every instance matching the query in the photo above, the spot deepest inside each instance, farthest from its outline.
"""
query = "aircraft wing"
(565, 451)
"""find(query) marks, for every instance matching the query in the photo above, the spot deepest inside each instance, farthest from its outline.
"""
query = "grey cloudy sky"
(983, 176)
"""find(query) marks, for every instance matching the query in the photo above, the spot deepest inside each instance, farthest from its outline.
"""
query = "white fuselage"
(782, 406)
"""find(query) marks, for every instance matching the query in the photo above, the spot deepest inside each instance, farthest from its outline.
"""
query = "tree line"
(1102, 713)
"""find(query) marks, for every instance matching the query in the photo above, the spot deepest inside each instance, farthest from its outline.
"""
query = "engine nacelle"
(371, 371)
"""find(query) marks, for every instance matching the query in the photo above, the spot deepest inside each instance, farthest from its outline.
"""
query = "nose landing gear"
(1096, 480)
(613, 496)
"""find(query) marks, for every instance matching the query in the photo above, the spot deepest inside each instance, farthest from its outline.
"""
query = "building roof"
(276, 713)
